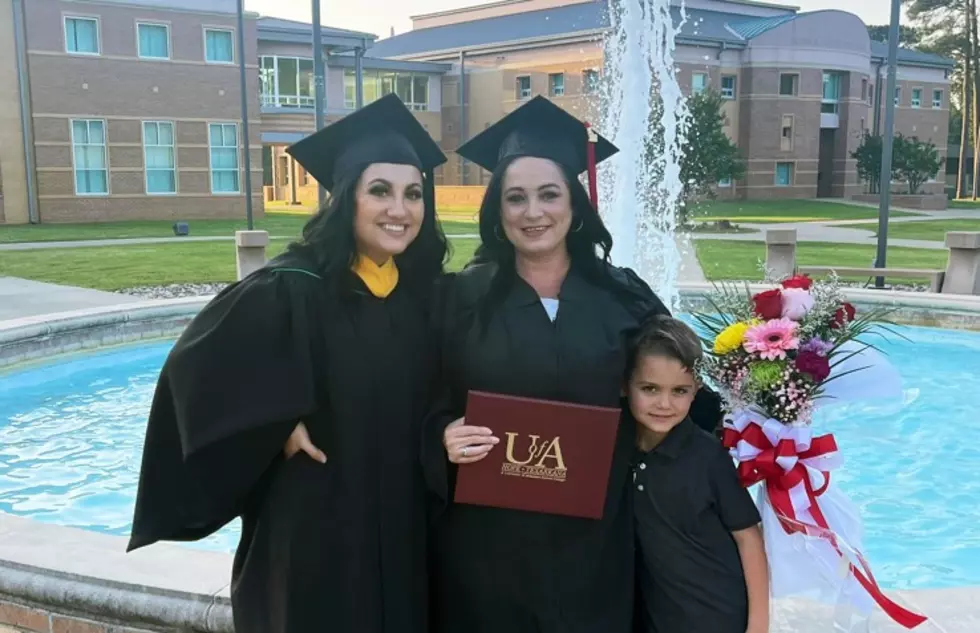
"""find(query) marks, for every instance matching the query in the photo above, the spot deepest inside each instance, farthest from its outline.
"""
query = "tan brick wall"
(17, 618)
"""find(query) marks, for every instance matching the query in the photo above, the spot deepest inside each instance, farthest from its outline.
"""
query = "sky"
(379, 16)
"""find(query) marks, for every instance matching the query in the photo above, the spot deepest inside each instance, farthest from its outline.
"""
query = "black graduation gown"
(338, 547)
(505, 571)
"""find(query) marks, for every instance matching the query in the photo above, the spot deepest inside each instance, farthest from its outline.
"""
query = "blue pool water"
(71, 435)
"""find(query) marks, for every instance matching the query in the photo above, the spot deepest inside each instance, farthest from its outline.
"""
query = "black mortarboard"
(542, 129)
(384, 131)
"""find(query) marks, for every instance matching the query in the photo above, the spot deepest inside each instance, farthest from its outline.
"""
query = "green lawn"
(112, 268)
(734, 260)
(277, 224)
(771, 211)
(934, 230)
(965, 204)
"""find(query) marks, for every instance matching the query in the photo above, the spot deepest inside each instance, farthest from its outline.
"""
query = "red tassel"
(591, 164)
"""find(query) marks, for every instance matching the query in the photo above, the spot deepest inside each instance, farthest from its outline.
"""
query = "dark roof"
(879, 51)
(273, 26)
(734, 29)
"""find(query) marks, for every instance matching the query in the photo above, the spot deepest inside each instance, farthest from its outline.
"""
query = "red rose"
(844, 314)
(817, 366)
(798, 281)
(769, 304)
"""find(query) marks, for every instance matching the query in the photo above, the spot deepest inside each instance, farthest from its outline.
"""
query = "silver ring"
(465, 450)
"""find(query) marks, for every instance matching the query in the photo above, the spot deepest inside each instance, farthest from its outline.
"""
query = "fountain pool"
(71, 433)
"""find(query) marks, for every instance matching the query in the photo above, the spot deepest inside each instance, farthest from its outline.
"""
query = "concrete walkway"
(24, 297)
(135, 241)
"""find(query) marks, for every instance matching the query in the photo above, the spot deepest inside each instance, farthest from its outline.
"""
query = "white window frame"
(521, 93)
(725, 183)
(139, 53)
(898, 95)
(725, 93)
(219, 29)
(238, 159)
(824, 99)
(98, 33)
(553, 89)
(796, 84)
(594, 87)
(276, 100)
(937, 103)
(173, 148)
(704, 86)
(916, 103)
(105, 157)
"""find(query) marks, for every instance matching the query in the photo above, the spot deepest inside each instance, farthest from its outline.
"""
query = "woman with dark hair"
(542, 315)
(295, 399)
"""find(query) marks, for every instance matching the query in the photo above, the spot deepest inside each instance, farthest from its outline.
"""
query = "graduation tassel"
(593, 138)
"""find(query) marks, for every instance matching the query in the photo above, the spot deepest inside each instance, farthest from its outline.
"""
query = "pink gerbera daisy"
(772, 338)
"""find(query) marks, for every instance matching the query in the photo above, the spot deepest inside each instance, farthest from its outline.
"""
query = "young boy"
(702, 564)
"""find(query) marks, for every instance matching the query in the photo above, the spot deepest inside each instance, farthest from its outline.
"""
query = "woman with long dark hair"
(542, 314)
(295, 399)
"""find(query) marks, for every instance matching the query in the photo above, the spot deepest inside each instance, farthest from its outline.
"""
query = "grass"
(733, 260)
(149, 264)
(772, 211)
(966, 204)
(934, 230)
(286, 225)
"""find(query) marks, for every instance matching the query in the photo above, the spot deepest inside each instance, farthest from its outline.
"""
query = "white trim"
(165, 25)
(912, 97)
(734, 79)
(704, 86)
(98, 33)
(234, 51)
(519, 92)
(105, 157)
(238, 158)
(173, 147)
(942, 97)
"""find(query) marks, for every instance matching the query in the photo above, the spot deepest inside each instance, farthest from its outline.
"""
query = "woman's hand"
(467, 444)
(299, 440)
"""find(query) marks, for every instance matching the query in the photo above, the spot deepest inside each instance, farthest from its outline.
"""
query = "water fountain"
(641, 186)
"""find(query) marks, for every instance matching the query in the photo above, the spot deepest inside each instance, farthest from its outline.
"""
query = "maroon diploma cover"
(553, 457)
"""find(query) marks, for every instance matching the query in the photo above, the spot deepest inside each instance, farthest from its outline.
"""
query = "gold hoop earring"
(578, 228)
(496, 234)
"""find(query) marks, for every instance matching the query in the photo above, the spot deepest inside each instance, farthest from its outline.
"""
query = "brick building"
(130, 109)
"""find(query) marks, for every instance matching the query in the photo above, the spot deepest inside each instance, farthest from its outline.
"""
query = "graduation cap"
(384, 131)
(542, 129)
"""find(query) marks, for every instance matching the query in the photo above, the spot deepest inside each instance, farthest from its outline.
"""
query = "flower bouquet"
(775, 357)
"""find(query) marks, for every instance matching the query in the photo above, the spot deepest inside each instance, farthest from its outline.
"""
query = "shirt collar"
(573, 288)
(676, 439)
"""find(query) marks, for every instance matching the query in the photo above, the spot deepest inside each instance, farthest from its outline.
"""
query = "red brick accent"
(24, 618)
(70, 625)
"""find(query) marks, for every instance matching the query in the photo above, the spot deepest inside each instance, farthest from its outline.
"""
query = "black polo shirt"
(687, 503)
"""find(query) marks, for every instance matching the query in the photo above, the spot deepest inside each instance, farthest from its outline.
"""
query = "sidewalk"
(24, 297)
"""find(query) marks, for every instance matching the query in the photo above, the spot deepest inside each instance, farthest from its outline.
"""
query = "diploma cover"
(553, 457)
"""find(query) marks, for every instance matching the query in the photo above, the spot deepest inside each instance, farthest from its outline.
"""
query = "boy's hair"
(665, 336)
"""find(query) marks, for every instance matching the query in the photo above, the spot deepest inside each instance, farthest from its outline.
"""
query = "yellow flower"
(731, 338)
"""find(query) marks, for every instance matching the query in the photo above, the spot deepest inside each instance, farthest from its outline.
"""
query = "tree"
(868, 156)
(907, 35)
(915, 161)
(709, 156)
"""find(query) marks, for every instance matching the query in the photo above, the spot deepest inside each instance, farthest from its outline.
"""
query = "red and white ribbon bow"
(795, 469)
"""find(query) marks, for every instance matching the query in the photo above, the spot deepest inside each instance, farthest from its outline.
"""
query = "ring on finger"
(465, 451)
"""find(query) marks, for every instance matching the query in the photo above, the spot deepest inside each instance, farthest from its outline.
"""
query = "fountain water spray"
(645, 116)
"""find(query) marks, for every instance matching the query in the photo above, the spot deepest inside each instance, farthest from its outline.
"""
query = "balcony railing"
(287, 101)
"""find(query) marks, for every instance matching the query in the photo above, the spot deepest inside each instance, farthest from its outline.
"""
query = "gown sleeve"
(230, 393)
(706, 410)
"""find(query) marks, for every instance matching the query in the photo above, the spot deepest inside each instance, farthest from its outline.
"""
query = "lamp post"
(243, 87)
(320, 95)
(887, 143)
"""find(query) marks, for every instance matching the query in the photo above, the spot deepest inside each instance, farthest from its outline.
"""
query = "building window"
(898, 96)
(413, 90)
(153, 41)
(871, 94)
(786, 133)
(864, 90)
(916, 97)
(784, 174)
(159, 157)
(82, 36)
(556, 84)
(287, 82)
(523, 87)
(89, 157)
(219, 47)
(223, 145)
(789, 84)
(937, 98)
(699, 82)
(590, 81)
(728, 86)
(724, 183)
(831, 93)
